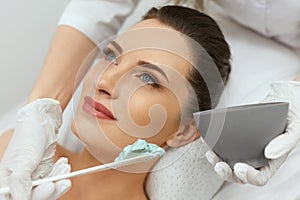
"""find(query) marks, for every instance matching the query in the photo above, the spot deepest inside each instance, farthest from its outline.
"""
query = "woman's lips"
(96, 109)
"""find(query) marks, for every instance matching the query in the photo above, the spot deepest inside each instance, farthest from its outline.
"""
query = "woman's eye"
(110, 56)
(148, 79)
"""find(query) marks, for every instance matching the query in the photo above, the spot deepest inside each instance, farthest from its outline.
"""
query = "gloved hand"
(29, 155)
(277, 150)
(52, 191)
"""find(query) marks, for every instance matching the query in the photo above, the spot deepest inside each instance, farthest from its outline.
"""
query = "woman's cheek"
(139, 107)
(163, 106)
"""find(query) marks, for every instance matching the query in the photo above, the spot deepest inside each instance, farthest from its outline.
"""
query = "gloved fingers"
(279, 146)
(44, 110)
(258, 177)
(247, 174)
(46, 165)
(43, 191)
(275, 164)
(61, 166)
(221, 168)
(50, 191)
(284, 143)
(212, 157)
(20, 186)
(25, 153)
(54, 190)
(61, 187)
(26, 147)
(225, 172)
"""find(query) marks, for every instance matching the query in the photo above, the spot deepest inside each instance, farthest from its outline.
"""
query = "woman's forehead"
(152, 34)
(156, 43)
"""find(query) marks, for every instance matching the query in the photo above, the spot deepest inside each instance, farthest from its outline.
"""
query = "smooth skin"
(116, 184)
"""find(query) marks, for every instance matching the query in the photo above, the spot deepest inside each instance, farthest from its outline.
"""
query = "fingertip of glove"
(248, 174)
(241, 168)
(209, 156)
(241, 172)
(62, 160)
(223, 169)
(43, 191)
(67, 168)
(278, 147)
(60, 167)
(65, 183)
(62, 186)
(269, 154)
(219, 169)
(212, 157)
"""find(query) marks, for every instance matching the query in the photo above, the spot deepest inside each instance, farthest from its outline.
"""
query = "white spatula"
(99, 168)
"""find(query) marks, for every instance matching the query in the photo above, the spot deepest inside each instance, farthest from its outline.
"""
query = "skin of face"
(141, 81)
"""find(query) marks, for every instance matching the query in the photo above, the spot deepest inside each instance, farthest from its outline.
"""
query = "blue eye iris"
(110, 56)
(148, 79)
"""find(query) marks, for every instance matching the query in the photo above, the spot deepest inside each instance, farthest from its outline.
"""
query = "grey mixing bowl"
(240, 133)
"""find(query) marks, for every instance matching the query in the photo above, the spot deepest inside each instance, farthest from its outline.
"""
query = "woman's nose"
(106, 83)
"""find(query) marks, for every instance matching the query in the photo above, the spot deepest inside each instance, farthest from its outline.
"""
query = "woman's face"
(138, 90)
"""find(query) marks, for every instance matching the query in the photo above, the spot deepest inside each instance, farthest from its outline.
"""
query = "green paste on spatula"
(140, 148)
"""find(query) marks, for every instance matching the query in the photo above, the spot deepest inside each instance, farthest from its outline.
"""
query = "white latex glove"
(52, 191)
(277, 150)
(29, 155)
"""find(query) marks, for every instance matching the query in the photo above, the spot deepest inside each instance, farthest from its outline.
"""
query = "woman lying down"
(147, 85)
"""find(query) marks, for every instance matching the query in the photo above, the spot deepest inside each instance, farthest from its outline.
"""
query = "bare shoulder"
(4, 140)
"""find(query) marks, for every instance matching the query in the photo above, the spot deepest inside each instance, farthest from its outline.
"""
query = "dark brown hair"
(205, 31)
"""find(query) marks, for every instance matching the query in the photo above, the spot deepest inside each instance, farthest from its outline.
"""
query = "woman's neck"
(110, 184)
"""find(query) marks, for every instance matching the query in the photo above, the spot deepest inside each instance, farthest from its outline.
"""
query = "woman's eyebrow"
(117, 46)
(152, 66)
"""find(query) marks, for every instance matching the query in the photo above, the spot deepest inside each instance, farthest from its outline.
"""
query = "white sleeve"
(97, 19)
(275, 19)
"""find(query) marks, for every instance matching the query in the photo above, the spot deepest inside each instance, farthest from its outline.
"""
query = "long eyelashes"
(145, 77)
(149, 79)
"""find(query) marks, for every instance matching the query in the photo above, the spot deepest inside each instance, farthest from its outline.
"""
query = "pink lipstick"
(96, 109)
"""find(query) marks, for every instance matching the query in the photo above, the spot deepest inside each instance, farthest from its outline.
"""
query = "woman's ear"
(188, 134)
